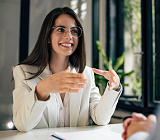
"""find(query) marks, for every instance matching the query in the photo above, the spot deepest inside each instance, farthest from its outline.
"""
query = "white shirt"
(141, 135)
(63, 115)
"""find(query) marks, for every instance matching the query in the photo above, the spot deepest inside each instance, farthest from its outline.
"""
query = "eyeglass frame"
(69, 30)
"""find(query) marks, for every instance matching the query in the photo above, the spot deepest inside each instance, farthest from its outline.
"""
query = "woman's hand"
(111, 75)
(64, 81)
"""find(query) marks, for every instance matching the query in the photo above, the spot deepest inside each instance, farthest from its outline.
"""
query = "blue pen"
(56, 137)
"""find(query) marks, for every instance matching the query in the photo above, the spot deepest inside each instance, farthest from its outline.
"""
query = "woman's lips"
(66, 45)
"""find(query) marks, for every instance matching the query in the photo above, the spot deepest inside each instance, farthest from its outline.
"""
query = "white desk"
(45, 134)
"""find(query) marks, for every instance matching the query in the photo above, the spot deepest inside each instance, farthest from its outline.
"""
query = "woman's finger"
(112, 81)
(73, 80)
(70, 75)
(112, 85)
(70, 90)
(110, 75)
(68, 69)
(74, 85)
(97, 71)
(107, 74)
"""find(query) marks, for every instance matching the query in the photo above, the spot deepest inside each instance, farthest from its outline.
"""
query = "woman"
(53, 86)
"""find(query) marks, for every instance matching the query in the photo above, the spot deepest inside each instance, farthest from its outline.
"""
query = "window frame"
(24, 30)
(157, 48)
(113, 50)
(95, 33)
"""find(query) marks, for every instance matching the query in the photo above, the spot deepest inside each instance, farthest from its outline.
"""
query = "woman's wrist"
(42, 97)
(119, 88)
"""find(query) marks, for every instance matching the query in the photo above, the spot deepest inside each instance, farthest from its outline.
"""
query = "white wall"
(9, 45)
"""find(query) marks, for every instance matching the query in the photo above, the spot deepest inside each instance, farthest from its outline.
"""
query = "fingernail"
(83, 86)
(81, 75)
(78, 90)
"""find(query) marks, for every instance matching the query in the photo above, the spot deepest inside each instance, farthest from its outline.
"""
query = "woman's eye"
(75, 31)
(61, 30)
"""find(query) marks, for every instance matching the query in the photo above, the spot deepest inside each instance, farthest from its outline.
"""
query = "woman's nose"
(68, 35)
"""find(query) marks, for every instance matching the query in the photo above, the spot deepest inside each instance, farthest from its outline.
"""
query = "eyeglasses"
(76, 32)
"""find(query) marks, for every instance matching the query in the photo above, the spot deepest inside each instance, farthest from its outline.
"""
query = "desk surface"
(45, 134)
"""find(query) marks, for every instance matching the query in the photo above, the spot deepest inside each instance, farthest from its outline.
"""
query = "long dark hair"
(41, 53)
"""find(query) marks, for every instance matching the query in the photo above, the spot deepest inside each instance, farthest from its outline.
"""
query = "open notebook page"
(98, 134)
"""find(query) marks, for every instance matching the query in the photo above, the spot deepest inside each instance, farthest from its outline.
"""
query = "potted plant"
(107, 63)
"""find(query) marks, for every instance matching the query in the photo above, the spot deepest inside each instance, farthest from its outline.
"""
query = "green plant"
(107, 63)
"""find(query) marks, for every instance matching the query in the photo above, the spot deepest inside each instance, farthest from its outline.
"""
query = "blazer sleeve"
(102, 107)
(142, 135)
(27, 109)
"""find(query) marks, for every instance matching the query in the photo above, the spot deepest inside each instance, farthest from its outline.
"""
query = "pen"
(56, 137)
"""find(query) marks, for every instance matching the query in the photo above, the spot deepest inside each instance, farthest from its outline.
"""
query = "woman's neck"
(58, 64)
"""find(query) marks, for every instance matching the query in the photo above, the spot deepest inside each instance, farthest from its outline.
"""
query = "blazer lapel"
(75, 101)
(45, 73)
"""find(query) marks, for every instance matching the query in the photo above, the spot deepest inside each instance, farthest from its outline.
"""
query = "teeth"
(69, 45)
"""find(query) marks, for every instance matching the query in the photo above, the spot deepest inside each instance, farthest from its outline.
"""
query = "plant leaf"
(127, 74)
(123, 84)
(102, 52)
(110, 64)
(119, 62)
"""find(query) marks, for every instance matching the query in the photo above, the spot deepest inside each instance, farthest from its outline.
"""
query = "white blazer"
(29, 112)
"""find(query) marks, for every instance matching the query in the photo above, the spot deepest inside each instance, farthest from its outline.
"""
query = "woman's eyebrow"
(74, 27)
(65, 26)
(61, 26)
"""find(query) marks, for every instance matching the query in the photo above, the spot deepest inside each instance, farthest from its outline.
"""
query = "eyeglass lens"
(75, 31)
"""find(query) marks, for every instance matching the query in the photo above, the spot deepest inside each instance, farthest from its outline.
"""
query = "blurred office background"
(121, 26)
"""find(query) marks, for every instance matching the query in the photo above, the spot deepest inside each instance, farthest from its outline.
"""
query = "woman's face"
(67, 44)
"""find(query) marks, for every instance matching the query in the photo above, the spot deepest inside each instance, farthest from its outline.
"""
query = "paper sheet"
(98, 134)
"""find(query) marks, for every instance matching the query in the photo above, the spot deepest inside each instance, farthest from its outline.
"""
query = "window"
(132, 47)
(133, 28)
(83, 9)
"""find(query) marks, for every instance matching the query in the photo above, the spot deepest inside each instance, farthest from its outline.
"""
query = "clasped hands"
(138, 123)
(66, 81)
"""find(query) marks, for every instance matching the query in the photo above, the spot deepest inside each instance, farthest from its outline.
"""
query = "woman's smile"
(66, 45)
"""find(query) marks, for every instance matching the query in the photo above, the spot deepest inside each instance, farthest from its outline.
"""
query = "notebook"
(97, 134)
